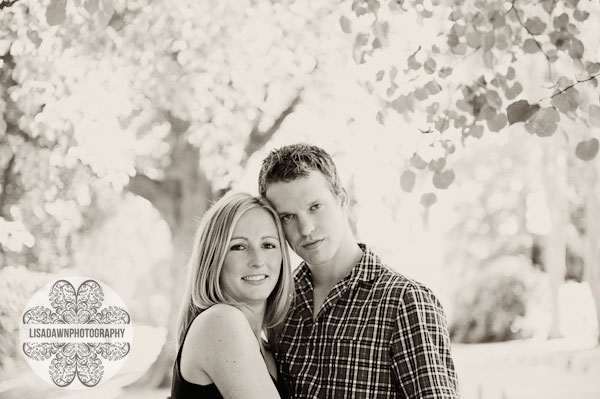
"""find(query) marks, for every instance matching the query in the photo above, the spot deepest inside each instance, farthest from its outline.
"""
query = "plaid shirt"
(377, 335)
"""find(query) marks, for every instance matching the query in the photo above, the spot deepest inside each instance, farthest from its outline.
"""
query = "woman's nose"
(256, 258)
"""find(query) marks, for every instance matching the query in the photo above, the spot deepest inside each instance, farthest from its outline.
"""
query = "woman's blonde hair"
(210, 247)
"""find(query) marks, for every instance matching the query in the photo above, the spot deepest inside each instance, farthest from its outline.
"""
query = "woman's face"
(253, 259)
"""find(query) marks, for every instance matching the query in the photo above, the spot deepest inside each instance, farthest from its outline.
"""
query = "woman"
(239, 288)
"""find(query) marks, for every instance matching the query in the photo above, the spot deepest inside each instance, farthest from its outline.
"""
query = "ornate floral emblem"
(76, 313)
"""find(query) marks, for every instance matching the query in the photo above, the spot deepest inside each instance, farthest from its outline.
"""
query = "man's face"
(312, 216)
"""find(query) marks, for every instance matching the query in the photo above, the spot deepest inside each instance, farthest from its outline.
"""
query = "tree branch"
(539, 46)
(573, 85)
(258, 139)
(7, 4)
(159, 193)
(5, 179)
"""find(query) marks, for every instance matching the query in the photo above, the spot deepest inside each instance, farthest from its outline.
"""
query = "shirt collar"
(367, 269)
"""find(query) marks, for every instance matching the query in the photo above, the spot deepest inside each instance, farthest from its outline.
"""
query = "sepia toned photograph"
(250, 199)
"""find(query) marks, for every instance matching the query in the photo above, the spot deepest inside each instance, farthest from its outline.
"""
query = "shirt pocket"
(356, 365)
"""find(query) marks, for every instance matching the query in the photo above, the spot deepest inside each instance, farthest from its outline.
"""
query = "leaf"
(428, 199)
(402, 104)
(460, 49)
(106, 12)
(91, 6)
(393, 72)
(587, 150)
(580, 16)
(489, 40)
(595, 115)
(459, 122)
(418, 162)
(476, 131)
(443, 180)
(592, 67)
(413, 63)
(510, 73)
(452, 40)
(486, 113)
(436, 165)
(566, 101)
(361, 39)
(433, 87)
(445, 72)
(544, 123)
(576, 48)
(561, 21)
(488, 59)
(520, 111)
(514, 91)
(497, 18)
(497, 123)
(501, 42)
(429, 65)
(407, 180)
(56, 12)
(455, 15)
(535, 26)
(494, 99)
(442, 124)
(474, 39)
(530, 46)
(345, 24)
(421, 94)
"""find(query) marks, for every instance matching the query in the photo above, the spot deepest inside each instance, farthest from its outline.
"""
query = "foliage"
(109, 94)
(17, 285)
(470, 68)
(493, 303)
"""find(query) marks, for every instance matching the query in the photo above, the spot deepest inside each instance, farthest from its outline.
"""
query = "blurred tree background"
(466, 131)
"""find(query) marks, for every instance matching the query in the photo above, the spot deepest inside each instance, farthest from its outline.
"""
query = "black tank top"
(182, 389)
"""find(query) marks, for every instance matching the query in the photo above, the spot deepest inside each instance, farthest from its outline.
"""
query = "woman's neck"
(256, 316)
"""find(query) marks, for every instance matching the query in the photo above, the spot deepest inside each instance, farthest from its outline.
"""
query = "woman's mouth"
(255, 277)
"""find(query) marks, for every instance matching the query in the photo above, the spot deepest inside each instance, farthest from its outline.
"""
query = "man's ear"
(343, 198)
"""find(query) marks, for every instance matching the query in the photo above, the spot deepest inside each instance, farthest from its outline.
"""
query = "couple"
(352, 329)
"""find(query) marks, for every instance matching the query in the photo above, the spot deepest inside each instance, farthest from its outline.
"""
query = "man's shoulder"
(396, 284)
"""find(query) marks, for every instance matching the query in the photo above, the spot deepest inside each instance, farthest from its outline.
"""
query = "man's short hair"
(290, 162)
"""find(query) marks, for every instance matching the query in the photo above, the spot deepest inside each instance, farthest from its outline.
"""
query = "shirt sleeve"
(421, 360)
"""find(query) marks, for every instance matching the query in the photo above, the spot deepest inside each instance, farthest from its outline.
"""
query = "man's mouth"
(255, 277)
(311, 244)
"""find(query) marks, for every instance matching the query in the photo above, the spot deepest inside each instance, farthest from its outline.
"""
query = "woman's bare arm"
(221, 344)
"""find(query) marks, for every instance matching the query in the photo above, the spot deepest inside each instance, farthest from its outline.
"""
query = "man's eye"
(286, 218)
(315, 207)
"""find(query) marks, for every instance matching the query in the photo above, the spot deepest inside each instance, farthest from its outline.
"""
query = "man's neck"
(327, 276)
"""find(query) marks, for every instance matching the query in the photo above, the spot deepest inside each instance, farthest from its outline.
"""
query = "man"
(357, 329)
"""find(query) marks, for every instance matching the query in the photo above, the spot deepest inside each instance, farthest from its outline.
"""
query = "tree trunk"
(592, 236)
(182, 198)
(555, 248)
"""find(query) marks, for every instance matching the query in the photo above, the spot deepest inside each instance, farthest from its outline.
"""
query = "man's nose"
(305, 225)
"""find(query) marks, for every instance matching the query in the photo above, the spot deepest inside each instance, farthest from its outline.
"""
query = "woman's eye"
(268, 245)
(286, 218)
(315, 207)
(237, 247)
